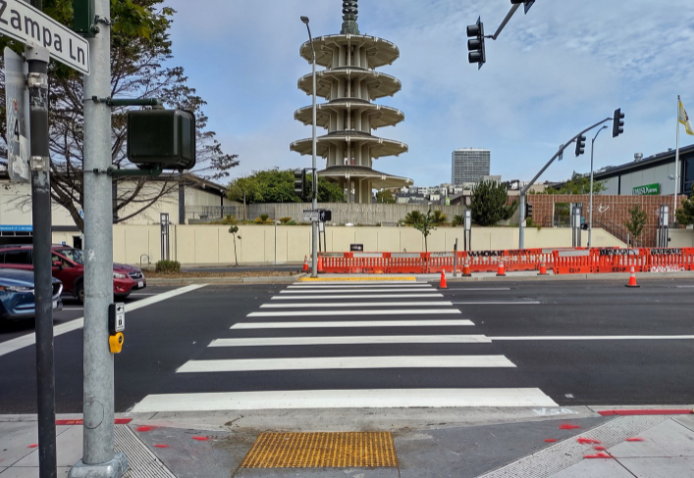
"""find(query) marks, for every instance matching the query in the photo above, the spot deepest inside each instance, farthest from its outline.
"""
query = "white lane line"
(428, 295)
(358, 283)
(595, 337)
(480, 289)
(520, 302)
(358, 304)
(380, 285)
(318, 313)
(330, 363)
(352, 323)
(363, 340)
(30, 339)
(352, 291)
(685, 286)
(374, 398)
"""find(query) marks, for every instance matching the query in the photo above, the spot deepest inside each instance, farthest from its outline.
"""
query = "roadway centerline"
(366, 398)
(428, 295)
(594, 337)
(318, 313)
(351, 291)
(30, 339)
(334, 363)
(357, 340)
(353, 323)
(309, 305)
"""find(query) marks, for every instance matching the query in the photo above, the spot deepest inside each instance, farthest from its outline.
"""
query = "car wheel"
(79, 292)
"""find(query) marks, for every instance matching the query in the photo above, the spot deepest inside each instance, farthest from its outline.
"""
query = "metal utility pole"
(40, 166)
(99, 459)
(524, 191)
(590, 211)
(314, 224)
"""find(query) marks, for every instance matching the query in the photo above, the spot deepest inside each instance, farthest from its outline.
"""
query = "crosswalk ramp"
(347, 345)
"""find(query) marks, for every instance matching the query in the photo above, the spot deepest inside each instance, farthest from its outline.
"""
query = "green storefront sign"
(647, 190)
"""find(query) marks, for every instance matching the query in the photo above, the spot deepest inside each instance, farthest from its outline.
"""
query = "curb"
(224, 280)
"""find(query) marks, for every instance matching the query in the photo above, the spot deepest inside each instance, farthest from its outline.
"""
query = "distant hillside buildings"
(470, 165)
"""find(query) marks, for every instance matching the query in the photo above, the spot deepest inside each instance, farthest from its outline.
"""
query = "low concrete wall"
(681, 237)
(206, 244)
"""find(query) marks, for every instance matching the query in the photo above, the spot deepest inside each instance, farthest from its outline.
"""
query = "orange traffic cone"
(319, 267)
(305, 268)
(466, 270)
(632, 279)
(501, 272)
(443, 284)
(543, 270)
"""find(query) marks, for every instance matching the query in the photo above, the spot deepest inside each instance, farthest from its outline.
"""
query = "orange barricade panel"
(619, 260)
(572, 262)
(667, 260)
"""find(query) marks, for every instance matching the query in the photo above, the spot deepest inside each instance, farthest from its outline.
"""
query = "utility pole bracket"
(40, 163)
(114, 103)
(122, 173)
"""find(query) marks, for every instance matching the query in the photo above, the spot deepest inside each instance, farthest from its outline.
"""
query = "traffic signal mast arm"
(558, 153)
(504, 22)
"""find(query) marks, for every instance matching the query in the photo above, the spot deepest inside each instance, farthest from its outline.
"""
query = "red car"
(68, 266)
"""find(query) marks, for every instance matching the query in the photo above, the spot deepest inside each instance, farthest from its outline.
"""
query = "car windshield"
(75, 255)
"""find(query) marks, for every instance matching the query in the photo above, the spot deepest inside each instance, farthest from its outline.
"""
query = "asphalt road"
(573, 342)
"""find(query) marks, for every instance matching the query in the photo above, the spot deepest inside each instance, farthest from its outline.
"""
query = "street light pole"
(590, 211)
(314, 224)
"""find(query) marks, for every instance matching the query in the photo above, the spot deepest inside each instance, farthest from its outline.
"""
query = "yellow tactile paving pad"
(322, 450)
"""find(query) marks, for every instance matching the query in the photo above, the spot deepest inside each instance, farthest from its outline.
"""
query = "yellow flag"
(684, 119)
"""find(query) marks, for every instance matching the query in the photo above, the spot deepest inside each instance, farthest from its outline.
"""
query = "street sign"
(310, 215)
(17, 108)
(21, 21)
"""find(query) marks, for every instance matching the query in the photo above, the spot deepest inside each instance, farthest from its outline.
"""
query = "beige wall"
(682, 238)
(203, 244)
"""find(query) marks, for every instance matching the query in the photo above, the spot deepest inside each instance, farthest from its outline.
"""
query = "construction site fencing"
(560, 261)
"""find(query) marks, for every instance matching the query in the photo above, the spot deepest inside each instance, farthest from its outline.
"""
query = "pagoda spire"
(350, 13)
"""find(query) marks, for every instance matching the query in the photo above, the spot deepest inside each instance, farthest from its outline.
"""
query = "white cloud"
(551, 73)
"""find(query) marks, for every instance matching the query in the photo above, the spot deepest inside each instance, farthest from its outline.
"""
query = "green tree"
(424, 223)
(685, 214)
(439, 218)
(328, 191)
(385, 196)
(636, 222)
(488, 203)
(579, 184)
(234, 230)
(412, 217)
(140, 47)
(244, 189)
(277, 186)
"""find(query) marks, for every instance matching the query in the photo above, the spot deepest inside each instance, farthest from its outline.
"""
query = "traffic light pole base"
(115, 468)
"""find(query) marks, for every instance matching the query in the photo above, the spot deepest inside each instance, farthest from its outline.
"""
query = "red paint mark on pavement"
(199, 438)
(566, 426)
(598, 455)
(551, 440)
(634, 439)
(33, 445)
(599, 448)
(117, 421)
(587, 441)
(161, 445)
(607, 413)
(144, 428)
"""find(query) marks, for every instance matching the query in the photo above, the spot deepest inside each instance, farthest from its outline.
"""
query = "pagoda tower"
(350, 83)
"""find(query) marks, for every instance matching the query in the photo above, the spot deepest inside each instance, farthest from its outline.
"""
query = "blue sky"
(562, 67)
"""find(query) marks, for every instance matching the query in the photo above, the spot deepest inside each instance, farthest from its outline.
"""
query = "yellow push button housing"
(115, 342)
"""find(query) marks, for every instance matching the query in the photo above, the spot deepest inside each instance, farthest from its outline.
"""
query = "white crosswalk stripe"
(385, 362)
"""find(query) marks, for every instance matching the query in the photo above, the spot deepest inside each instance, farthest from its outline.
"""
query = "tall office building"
(470, 165)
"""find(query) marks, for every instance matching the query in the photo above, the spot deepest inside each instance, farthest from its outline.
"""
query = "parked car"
(17, 294)
(68, 267)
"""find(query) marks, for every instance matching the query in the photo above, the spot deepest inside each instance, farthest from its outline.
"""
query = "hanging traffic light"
(618, 123)
(581, 145)
(527, 3)
(476, 44)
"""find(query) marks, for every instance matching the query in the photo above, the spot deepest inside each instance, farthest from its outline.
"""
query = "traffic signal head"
(161, 138)
(300, 183)
(83, 19)
(475, 44)
(528, 3)
(581, 145)
(618, 123)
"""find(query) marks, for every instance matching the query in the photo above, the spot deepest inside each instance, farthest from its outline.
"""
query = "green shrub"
(167, 267)
(285, 220)
(291, 222)
(264, 217)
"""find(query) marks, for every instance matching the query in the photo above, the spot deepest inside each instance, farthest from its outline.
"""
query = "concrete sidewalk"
(462, 443)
